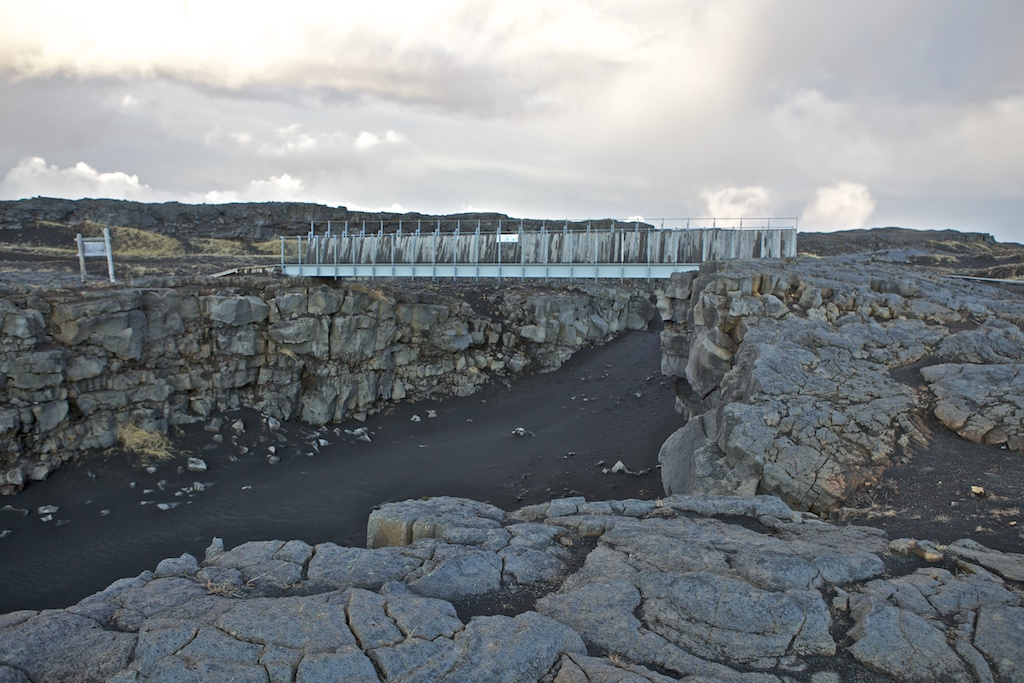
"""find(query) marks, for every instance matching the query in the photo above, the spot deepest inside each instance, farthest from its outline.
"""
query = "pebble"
(197, 465)
(47, 509)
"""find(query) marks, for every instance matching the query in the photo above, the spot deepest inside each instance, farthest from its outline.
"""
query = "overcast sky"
(842, 113)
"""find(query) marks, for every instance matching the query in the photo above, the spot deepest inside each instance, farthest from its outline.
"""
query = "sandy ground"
(928, 494)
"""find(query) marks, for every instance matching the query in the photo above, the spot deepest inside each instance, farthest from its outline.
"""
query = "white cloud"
(290, 140)
(276, 188)
(841, 206)
(216, 197)
(34, 177)
(366, 139)
(737, 202)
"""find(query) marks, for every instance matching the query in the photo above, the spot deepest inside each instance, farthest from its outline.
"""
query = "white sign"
(94, 248)
(508, 237)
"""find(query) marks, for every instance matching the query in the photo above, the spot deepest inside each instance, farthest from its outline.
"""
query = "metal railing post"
(522, 255)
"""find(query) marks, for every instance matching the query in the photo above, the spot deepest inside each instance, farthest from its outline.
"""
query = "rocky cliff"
(786, 371)
(76, 367)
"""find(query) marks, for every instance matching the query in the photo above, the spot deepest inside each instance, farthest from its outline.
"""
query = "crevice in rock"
(897, 566)
(513, 600)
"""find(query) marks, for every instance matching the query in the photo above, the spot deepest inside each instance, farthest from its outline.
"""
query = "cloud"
(34, 177)
(546, 108)
(737, 202)
(459, 54)
(278, 188)
(841, 206)
(366, 139)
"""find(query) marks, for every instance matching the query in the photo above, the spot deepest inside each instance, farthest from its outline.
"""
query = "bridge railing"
(574, 250)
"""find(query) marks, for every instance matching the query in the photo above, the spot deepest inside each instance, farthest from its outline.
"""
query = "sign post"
(96, 246)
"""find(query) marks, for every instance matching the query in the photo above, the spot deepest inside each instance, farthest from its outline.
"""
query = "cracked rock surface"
(694, 588)
(785, 370)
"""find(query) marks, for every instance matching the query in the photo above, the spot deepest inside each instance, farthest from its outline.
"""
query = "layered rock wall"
(785, 369)
(75, 367)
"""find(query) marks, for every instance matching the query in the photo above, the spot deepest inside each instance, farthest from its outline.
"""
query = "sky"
(840, 114)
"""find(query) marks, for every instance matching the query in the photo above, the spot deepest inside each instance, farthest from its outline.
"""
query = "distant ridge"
(248, 220)
(875, 239)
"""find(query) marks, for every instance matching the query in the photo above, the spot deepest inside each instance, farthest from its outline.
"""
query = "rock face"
(75, 367)
(713, 588)
(786, 370)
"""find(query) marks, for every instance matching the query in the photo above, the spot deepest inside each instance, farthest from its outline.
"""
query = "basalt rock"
(785, 370)
(77, 367)
(702, 588)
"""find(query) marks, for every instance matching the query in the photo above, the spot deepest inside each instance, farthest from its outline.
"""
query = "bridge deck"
(616, 252)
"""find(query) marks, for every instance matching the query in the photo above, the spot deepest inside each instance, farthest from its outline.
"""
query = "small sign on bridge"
(96, 246)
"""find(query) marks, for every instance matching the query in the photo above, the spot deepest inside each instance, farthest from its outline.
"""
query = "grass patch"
(135, 242)
(212, 246)
(151, 447)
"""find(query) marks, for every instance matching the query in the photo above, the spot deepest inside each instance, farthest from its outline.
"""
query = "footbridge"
(515, 249)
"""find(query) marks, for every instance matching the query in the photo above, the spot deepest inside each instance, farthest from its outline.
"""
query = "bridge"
(514, 249)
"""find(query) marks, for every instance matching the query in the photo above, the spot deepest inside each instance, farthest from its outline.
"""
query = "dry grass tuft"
(617, 660)
(133, 242)
(375, 294)
(225, 590)
(151, 447)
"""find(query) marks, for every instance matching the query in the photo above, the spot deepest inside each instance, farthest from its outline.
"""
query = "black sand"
(606, 404)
